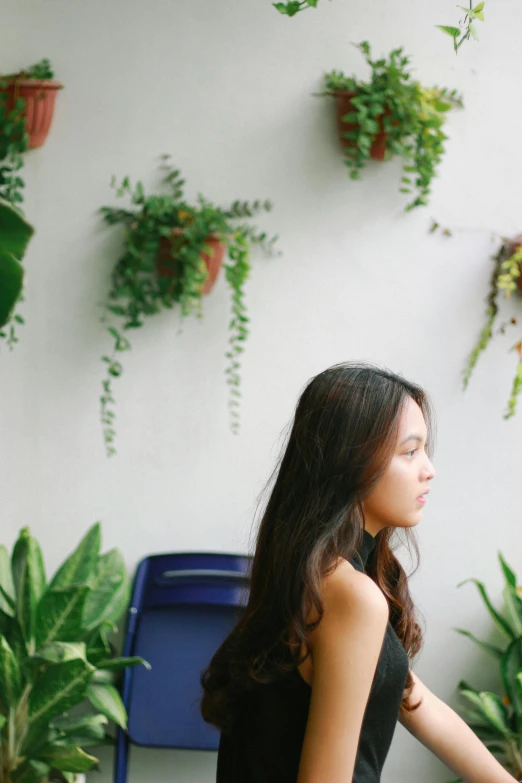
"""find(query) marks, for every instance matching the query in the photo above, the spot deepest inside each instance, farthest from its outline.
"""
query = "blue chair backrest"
(182, 608)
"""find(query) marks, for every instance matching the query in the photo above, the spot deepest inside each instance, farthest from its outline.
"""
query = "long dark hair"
(341, 441)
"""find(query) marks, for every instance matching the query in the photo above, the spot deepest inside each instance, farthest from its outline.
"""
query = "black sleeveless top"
(266, 746)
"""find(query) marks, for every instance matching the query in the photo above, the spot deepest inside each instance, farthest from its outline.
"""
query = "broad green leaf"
(454, 32)
(3, 721)
(490, 706)
(29, 580)
(30, 771)
(68, 758)
(15, 233)
(10, 628)
(499, 621)
(70, 723)
(122, 663)
(98, 645)
(111, 591)
(10, 681)
(6, 582)
(59, 652)
(473, 31)
(60, 614)
(59, 688)
(80, 565)
(496, 652)
(107, 700)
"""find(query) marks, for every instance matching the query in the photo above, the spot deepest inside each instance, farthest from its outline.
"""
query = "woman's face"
(394, 501)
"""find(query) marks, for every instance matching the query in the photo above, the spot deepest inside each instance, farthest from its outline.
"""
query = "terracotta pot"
(39, 97)
(166, 266)
(343, 103)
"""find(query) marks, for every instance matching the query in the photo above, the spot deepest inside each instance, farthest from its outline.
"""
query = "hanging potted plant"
(506, 278)
(391, 114)
(15, 234)
(32, 93)
(172, 255)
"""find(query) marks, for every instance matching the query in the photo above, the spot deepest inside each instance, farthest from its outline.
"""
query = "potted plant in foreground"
(30, 94)
(55, 654)
(497, 720)
(391, 114)
(172, 254)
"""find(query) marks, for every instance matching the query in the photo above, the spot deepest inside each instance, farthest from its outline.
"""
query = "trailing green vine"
(162, 266)
(466, 28)
(506, 278)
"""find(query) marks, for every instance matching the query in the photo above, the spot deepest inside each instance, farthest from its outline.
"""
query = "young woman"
(309, 685)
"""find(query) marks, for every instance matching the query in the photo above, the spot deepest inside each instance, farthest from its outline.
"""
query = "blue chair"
(183, 606)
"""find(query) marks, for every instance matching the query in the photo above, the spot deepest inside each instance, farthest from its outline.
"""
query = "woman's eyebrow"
(418, 438)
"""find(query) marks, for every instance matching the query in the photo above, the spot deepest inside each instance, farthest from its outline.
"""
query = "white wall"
(226, 88)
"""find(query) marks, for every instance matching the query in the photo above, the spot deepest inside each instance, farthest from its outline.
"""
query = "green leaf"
(473, 30)
(7, 603)
(3, 721)
(497, 618)
(454, 32)
(509, 575)
(510, 666)
(107, 700)
(496, 652)
(58, 652)
(67, 758)
(80, 565)
(30, 771)
(10, 681)
(15, 234)
(29, 580)
(122, 663)
(60, 614)
(59, 688)
(513, 606)
(82, 730)
(110, 593)
(490, 707)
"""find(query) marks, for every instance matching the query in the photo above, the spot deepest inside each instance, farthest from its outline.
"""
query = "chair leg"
(121, 757)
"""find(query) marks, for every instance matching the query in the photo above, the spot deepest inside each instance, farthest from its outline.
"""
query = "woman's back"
(267, 744)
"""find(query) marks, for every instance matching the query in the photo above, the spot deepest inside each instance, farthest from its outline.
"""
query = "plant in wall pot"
(30, 95)
(55, 654)
(506, 278)
(497, 720)
(391, 114)
(172, 255)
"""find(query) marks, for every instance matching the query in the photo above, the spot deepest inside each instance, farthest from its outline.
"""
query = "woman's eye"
(412, 452)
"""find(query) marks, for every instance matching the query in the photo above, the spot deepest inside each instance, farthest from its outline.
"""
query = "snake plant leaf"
(29, 580)
(59, 688)
(7, 602)
(67, 758)
(110, 592)
(496, 652)
(10, 679)
(510, 665)
(501, 623)
(107, 700)
(79, 567)
(15, 233)
(60, 614)
(30, 771)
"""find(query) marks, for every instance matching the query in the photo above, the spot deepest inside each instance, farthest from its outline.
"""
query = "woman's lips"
(421, 499)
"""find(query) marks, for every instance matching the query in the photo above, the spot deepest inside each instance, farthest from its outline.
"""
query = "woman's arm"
(345, 650)
(442, 731)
